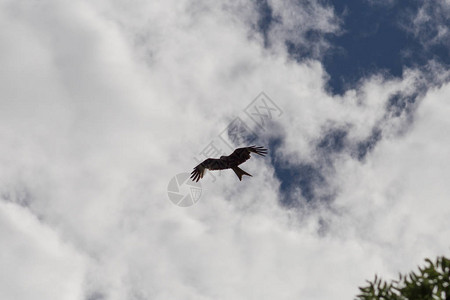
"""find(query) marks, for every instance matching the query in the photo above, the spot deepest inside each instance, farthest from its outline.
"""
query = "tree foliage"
(431, 282)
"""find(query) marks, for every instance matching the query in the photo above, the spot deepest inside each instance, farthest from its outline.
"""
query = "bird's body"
(231, 161)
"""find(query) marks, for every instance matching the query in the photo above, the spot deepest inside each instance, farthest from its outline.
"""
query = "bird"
(231, 161)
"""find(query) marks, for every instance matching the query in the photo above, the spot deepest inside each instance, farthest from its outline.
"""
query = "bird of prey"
(231, 161)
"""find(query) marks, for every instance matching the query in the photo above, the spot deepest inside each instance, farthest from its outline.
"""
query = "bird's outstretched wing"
(210, 164)
(240, 155)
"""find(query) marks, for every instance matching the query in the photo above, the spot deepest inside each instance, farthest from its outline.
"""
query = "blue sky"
(374, 37)
(103, 103)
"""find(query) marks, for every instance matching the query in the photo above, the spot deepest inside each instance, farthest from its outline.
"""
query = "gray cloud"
(430, 23)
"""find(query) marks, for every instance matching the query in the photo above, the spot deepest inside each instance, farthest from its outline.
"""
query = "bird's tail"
(239, 172)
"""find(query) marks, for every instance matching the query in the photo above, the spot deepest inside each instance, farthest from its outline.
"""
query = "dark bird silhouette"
(231, 161)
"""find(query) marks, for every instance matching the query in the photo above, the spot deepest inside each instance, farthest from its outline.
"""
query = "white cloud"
(404, 185)
(34, 261)
(101, 104)
(430, 23)
(303, 24)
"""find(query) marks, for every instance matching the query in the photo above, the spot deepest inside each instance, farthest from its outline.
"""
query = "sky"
(103, 103)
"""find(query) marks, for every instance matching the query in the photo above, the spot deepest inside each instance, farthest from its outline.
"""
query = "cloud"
(430, 24)
(403, 183)
(301, 27)
(34, 259)
(102, 104)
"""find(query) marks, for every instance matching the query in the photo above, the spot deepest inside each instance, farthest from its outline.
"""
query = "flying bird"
(231, 161)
